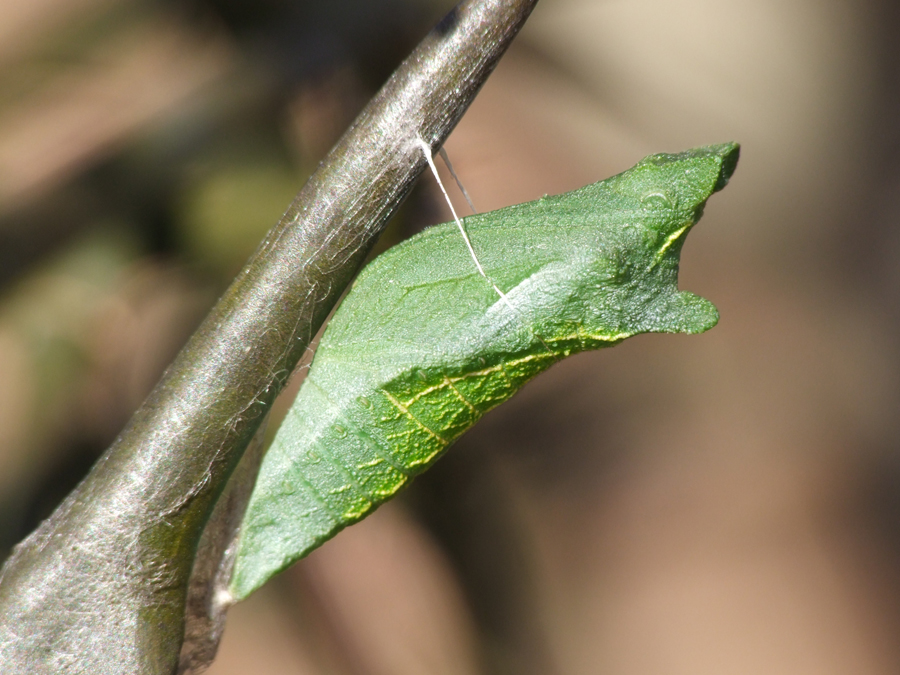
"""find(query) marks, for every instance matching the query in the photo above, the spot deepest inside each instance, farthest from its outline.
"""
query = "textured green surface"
(423, 345)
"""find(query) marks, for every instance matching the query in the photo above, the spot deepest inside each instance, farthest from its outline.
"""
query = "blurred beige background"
(726, 503)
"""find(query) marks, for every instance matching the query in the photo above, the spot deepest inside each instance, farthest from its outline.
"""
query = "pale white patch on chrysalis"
(429, 157)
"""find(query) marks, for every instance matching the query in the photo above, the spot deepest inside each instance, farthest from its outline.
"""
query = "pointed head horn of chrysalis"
(667, 194)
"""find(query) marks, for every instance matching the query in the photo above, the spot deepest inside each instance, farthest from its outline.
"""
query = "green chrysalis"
(424, 345)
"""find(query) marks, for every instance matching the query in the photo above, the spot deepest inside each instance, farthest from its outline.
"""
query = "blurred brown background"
(726, 503)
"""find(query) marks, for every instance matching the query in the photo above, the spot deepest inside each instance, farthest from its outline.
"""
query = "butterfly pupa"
(422, 347)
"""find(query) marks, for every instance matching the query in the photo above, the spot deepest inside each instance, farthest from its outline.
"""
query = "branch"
(101, 586)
